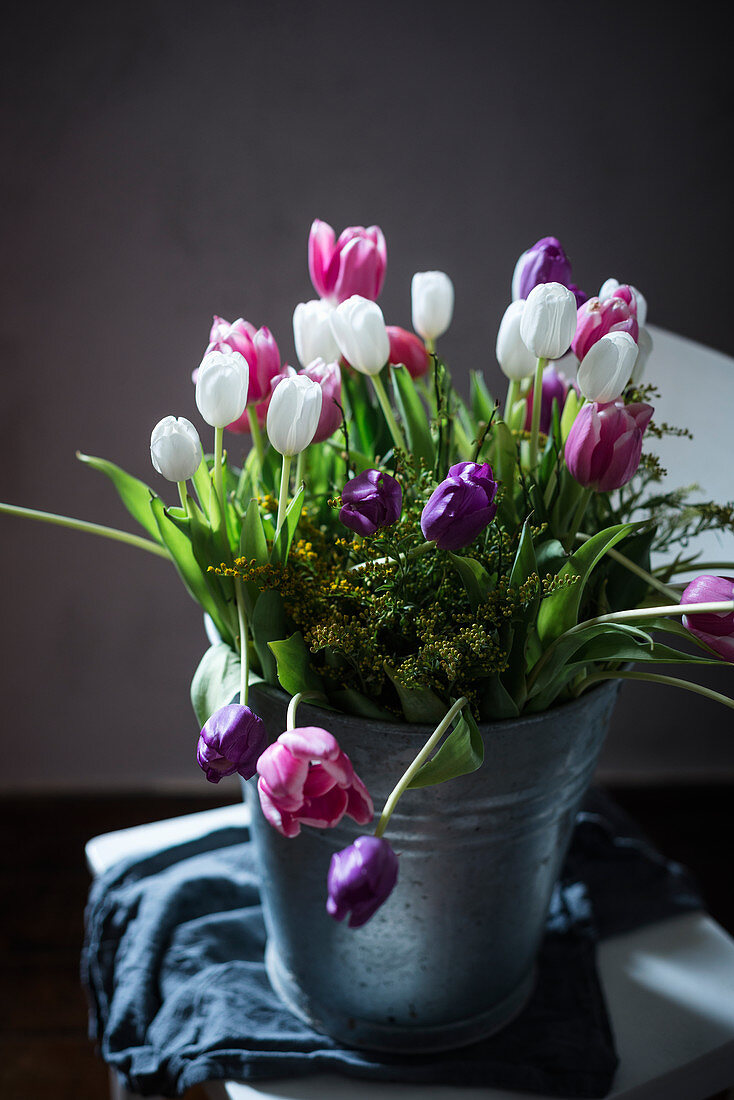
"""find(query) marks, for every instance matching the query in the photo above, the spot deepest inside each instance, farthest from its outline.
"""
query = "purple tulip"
(554, 388)
(545, 262)
(370, 501)
(329, 377)
(231, 741)
(596, 318)
(716, 630)
(605, 443)
(461, 506)
(355, 264)
(361, 877)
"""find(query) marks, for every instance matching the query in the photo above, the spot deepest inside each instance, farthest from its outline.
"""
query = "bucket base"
(370, 1035)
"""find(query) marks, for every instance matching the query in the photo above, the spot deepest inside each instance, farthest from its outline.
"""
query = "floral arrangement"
(438, 559)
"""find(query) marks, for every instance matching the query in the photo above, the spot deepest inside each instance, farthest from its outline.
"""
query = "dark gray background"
(163, 161)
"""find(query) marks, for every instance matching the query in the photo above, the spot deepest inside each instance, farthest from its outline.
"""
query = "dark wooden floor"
(44, 1050)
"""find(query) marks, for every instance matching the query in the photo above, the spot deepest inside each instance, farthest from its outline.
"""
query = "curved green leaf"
(294, 666)
(458, 754)
(133, 493)
(413, 415)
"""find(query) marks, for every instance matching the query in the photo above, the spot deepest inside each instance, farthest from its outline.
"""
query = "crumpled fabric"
(178, 994)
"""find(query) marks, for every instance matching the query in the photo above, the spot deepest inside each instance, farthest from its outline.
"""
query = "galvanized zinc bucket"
(449, 958)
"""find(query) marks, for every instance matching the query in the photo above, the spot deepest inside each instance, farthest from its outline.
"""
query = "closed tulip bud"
(607, 368)
(461, 507)
(312, 332)
(359, 330)
(355, 264)
(644, 349)
(409, 350)
(716, 629)
(432, 297)
(361, 877)
(514, 357)
(596, 318)
(545, 262)
(293, 415)
(611, 286)
(221, 387)
(605, 443)
(329, 378)
(175, 448)
(370, 501)
(232, 740)
(548, 321)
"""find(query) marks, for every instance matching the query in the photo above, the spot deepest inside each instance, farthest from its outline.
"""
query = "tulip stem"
(219, 481)
(257, 439)
(636, 569)
(671, 681)
(91, 528)
(512, 392)
(300, 462)
(537, 402)
(696, 565)
(182, 493)
(578, 516)
(403, 783)
(244, 644)
(285, 477)
(395, 432)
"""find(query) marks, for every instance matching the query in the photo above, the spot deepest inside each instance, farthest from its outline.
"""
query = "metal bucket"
(449, 958)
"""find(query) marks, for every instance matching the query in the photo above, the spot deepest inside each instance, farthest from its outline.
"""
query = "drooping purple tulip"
(596, 318)
(461, 506)
(370, 501)
(361, 877)
(231, 741)
(555, 388)
(545, 262)
(716, 630)
(605, 443)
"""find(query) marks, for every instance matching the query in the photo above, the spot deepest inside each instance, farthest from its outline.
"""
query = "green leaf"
(458, 754)
(413, 415)
(203, 485)
(474, 577)
(294, 666)
(419, 705)
(253, 544)
(550, 679)
(134, 494)
(496, 702)
(268, 623)
(505, 455)
(525, 563)
(550, 557)
(281, 546)
(571, 409)
(482, 402)
(353, 702)
(559, 611)
(216, 681)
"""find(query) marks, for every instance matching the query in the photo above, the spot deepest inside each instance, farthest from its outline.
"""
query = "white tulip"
(644, 347)
(607, 367)
(432, 297)
(548, 321)
(312, 332)
(359, 330)
(293, 414)
(514, 358)
(175, 448)
(221, 386)
(608, 288)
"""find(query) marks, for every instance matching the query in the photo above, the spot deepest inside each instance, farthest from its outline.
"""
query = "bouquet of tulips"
(389, 547)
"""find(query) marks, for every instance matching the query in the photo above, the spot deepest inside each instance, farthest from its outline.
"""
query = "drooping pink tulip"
(353, 264)
(604, 445)
(408, 349)
(596, 318)
(329, 377)
(716, 630)
(306, 779)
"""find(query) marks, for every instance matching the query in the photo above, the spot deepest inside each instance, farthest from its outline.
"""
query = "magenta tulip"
(604, 445)
(716, 630)
(354, 264)
(329, 377)
(408, 349)
(306, 779)
(596, 318)
(258, 347)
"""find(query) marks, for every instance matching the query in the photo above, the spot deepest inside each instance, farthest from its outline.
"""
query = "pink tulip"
(355, 264)
(306, 779)
(605, 443)
(596, 318)
(716, 630)
(408, 349)
(259, 348)
(329, 377)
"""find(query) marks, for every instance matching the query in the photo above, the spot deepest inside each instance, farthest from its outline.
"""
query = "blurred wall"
(163, 161)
